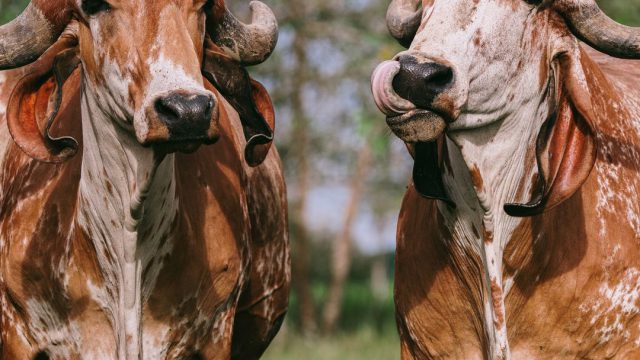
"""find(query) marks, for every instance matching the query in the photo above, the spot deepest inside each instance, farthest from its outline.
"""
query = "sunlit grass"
(365, 344)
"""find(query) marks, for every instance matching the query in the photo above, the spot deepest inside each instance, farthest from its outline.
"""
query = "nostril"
(169, 109)
(440, 78)
(166, 109)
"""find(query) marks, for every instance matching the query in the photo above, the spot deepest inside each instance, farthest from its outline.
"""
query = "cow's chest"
(59, 297)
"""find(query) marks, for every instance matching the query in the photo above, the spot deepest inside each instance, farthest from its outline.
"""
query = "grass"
(363, 344)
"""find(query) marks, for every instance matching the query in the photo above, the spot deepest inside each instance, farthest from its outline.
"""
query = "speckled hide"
(173, 250)
(471, 281)
(213, 257)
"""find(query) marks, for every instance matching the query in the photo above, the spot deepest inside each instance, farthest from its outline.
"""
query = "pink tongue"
(390, 103)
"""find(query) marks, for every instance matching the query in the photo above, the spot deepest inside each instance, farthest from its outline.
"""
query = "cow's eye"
(92, 7)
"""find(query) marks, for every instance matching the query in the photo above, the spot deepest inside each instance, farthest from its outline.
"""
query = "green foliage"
(624, 11)
(360, 307)
(9, 9)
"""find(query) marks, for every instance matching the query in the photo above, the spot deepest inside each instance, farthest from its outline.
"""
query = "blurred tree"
(342, 244)
(319, 76)
(300, 159)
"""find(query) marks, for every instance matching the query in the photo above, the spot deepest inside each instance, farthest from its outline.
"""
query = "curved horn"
(591, 25)
(403, 20)
(249, 44)
(29, 35)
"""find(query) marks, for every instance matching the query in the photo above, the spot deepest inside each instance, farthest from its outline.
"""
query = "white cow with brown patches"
(528, 140)
(121, 235)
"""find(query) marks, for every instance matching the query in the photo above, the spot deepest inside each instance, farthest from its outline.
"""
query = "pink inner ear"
(28, 103)
(28, 109)
(571, 154)
(264, 103)
(566, 148)
(256, 154)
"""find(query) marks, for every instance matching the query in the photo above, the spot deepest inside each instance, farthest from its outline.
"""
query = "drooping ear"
(35, 102)
(247, 96)
(566, 147)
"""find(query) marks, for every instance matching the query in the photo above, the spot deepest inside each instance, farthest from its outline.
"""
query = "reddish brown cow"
(528, 140)
(121, 237)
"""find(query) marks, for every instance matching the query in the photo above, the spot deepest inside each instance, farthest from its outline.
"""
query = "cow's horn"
(29, 35)
(403, 20)
(591, 25)
(248, 43)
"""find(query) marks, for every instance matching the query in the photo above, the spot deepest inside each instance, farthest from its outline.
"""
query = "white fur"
(112, 154)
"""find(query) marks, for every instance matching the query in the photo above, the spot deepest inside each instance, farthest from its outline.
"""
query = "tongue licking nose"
(385, 97)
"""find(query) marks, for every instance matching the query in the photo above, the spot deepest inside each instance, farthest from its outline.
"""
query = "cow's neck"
(127, 208)
(487, 168)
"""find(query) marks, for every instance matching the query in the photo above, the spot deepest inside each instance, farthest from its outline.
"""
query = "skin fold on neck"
(128, 202)
(486, 168)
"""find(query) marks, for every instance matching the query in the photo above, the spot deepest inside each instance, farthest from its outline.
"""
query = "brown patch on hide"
(477, 38)
(512, 4)
(497, 299)
(434, 286)
(543, 71)
(58, 12)
(476, 178)
(487, 236)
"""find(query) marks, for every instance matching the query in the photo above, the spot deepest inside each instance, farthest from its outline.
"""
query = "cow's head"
(158, 68)
(471, 64)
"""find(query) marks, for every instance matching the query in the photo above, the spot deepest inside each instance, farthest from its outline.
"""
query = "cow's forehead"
(134, 4)
(458, 24)
(139, 48)
(469, 8)
(146, 27)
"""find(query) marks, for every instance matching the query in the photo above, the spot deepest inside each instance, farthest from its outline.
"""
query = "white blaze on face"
(176, 66)
(165, 76)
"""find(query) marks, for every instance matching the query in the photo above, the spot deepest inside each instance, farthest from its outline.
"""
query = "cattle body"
(518, 236)
(138, 220)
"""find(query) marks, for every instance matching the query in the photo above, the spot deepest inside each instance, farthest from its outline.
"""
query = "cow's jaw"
(128, 203)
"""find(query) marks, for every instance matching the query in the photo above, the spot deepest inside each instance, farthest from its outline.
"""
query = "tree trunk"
(342, 245)
(379, 280)
(300, 236)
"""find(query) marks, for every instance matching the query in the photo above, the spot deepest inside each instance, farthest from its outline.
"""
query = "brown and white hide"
(535, 251)
(173, 250)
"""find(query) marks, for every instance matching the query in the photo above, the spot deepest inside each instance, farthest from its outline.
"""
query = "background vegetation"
(345, 173)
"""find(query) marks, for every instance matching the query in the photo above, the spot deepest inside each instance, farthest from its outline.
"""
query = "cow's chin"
(184, 138)
(417, 126)
(169, 145)
(186, 147)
